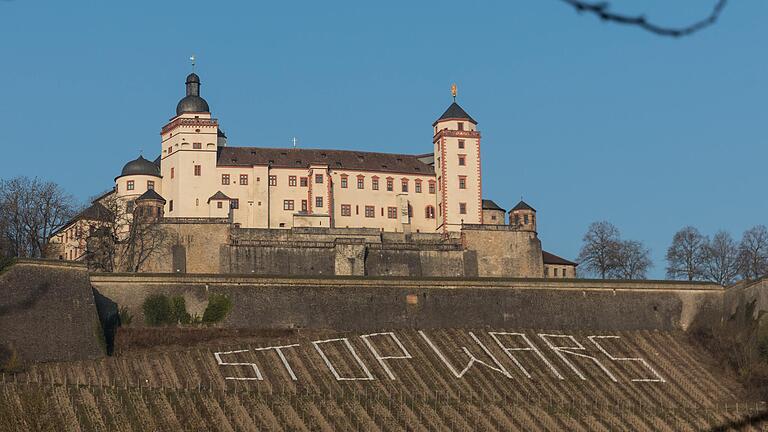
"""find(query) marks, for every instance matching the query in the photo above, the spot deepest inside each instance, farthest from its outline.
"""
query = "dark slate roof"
(550, 258)
(192, 78)
(150, 194)
(335, 159)
(455, 112)
(522, 205)
(140, 166)
(490, 205)
(218, 196)
(95, 212)
(192, 104)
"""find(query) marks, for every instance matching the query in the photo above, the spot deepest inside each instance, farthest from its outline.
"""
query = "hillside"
(673, 387)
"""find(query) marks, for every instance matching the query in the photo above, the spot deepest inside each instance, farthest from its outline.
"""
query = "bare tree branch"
(601, 9)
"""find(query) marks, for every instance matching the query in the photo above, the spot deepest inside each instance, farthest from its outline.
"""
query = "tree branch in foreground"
(601, 10)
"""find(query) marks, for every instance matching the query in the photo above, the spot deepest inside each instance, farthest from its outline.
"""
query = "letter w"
(472, 359)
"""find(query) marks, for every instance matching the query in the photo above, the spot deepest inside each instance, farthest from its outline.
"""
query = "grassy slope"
(184, 389)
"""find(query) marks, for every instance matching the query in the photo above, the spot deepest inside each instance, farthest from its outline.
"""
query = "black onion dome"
(192, 102)
(140, 166)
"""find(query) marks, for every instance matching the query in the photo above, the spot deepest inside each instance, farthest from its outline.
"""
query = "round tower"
(523, 217)
(149, 206)
(137, 177)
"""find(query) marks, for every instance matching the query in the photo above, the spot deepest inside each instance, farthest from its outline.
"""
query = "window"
(418, 186)
(462, 182)
(303, 205)
(303, 182)
(493, 217)
(225, 179)
(370, 211)
(429, 212)
(129, 206)
(318, 178)
(361, 182)
(170, 206)
(525, 219)
(517, 219)
(405, 185)
(129, 186)
(390, 185)
(243, 179)
(291, 180)
(462, 208)
(462, 160)
(234, 203)
(198, 170)
(170, 149)
(318, 201)
(346, 210)
(150, 185)
(273, 180)
(392, 212)
(343, 182)
(432, 187)
(440, 209)
(461, 144)
(461, 126)
(375, 183)
(197, 146)
(171, 172)
(287, 204)
(556, 271)
(219, 204)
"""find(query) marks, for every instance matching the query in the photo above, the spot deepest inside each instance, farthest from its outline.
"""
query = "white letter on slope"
(368, 376)
(560, 350)
(637, 359)
(472, 358)
(253, 365)
(279, 350)
(406, 354)
(531, 347)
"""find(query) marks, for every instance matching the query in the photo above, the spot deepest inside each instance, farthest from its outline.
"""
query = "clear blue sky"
(586, 120)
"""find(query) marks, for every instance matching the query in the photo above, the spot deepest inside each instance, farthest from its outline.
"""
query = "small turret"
(149, 206)
(523, 217)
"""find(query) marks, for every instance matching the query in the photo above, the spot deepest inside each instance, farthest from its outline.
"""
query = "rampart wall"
(47, 312)
(221, 248)
(362, 304)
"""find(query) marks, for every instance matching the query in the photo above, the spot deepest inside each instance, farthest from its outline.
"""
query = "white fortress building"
(200, 175)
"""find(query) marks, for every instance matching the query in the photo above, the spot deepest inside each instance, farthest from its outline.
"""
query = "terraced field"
(488, 380)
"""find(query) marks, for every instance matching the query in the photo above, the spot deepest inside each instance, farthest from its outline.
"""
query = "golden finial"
(453, 91)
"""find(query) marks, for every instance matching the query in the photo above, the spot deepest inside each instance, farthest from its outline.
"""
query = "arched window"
(429, 212)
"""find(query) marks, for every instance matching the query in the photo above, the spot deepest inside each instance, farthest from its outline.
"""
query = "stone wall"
(484, 251)
(47, 312)
(361, 304)
(744, 293)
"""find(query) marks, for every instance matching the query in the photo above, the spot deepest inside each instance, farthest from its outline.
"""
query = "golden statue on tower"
(453, 91)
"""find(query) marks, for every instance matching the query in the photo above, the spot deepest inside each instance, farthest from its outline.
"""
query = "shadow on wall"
(109, 316)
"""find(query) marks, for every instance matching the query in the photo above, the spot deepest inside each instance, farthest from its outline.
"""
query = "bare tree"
(602, 10)
(685, 257)
(31, 211)
(753, 253)
(125, 241)
(630, 260)
(599, 249)
(721, 259)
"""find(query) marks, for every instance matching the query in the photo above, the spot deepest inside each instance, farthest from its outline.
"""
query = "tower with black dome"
(137, 177)
(188, 156)
(456, 144)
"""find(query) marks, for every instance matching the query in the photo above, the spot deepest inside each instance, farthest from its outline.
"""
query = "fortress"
(309, 211)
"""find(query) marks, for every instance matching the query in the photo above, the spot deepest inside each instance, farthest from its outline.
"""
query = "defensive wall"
(745, 293)
(215, 246)
(373, 303)
(47, 312)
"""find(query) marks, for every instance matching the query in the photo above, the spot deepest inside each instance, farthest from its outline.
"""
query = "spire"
(193, 84)
(453, 91)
